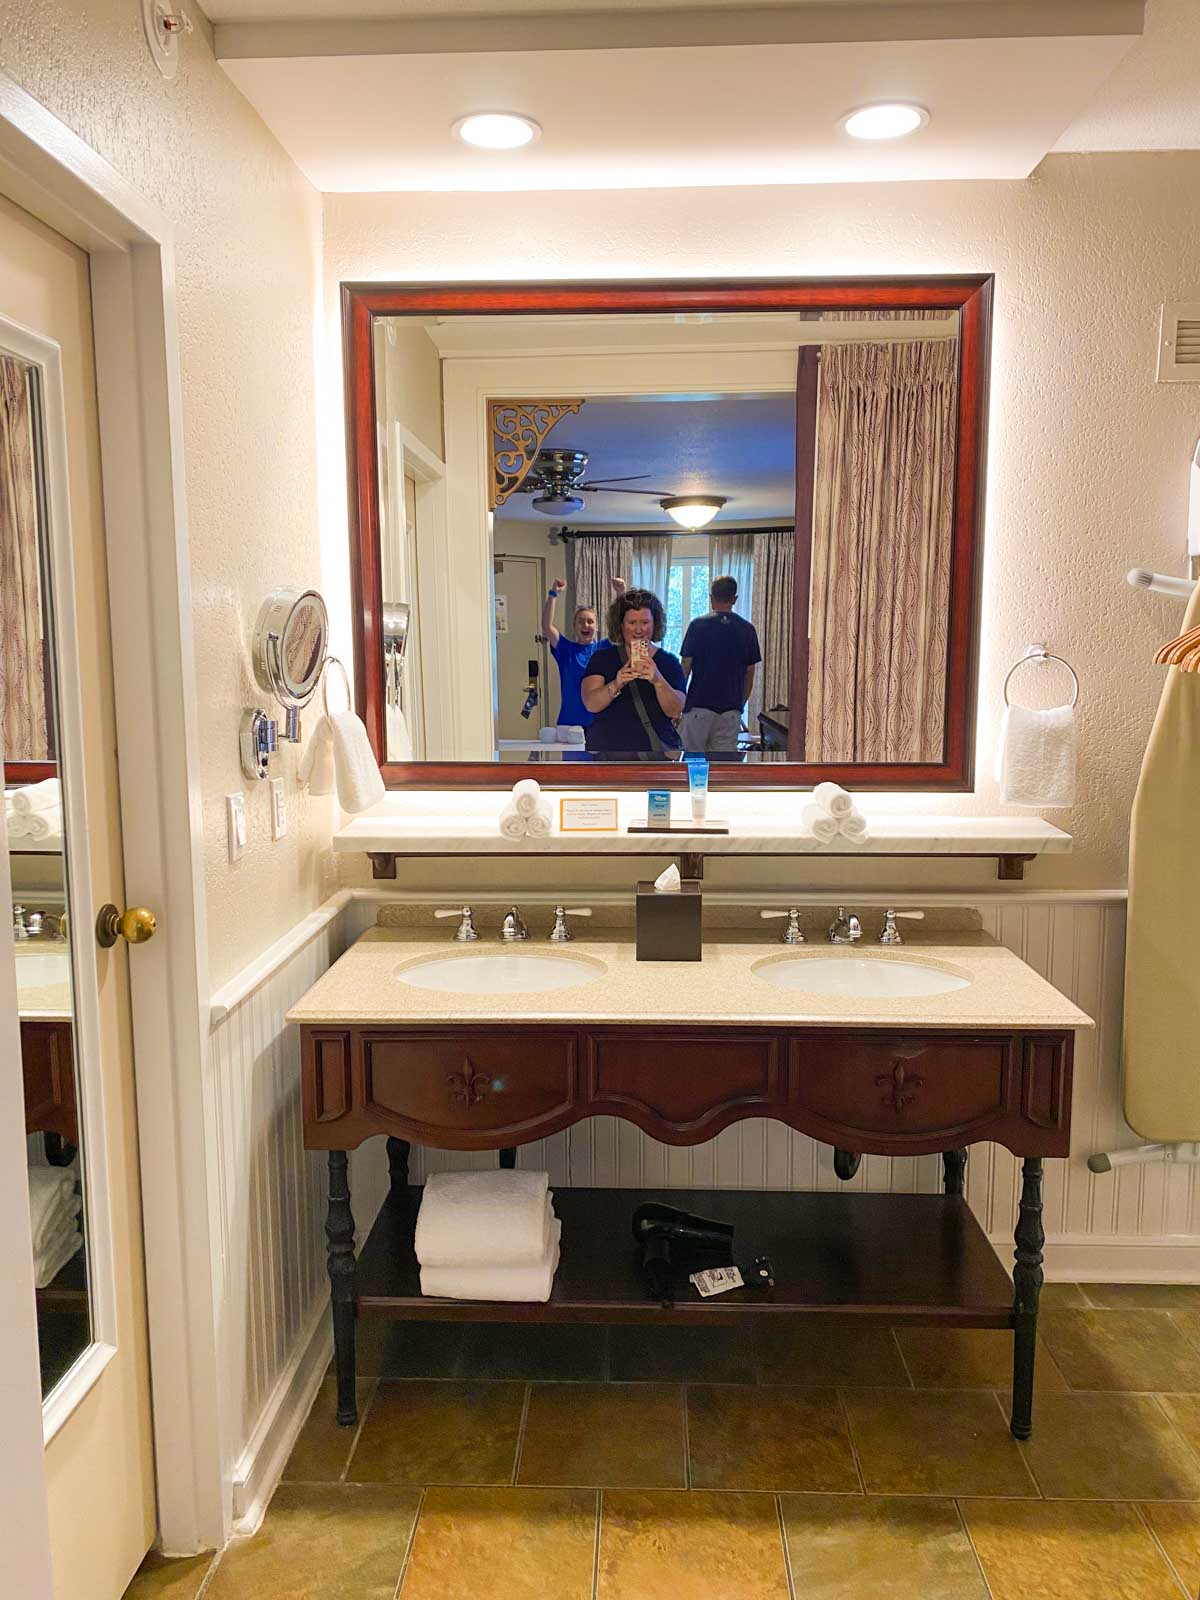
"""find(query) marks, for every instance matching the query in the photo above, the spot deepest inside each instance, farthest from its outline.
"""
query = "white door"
(75, 1059)
(520, 588)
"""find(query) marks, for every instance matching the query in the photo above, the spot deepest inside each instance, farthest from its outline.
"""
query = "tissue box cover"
(669, 925)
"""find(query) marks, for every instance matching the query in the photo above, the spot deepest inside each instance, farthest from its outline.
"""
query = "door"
(520, 588)
(72, 997)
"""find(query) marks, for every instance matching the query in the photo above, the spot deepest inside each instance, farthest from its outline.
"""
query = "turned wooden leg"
(397, 1150)
(845, 1163)
(1027, 1282)
(508, 1156)
(954, 1170)
(339, 1230)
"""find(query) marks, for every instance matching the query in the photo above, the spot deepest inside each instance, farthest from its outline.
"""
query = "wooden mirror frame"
(968, 294)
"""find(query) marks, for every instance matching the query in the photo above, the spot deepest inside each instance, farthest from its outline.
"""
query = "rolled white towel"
(526, 794)
(496, 1283)
(359, 782)
(48, 1263)
(44, 796)
(512, 824)
(833, 799)
(539, 824)
(483, 1219)
(51, 1194)
(819, 823)
(854, 827)
(38, 825)
(317, 772)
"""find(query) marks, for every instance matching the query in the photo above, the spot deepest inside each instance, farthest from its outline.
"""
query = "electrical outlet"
(278, 809)
(235, 817)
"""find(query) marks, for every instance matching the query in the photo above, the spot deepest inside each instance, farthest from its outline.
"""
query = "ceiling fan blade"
(601, 488)
(634, 477)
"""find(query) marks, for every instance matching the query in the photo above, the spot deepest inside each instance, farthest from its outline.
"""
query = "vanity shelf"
(906, 1258)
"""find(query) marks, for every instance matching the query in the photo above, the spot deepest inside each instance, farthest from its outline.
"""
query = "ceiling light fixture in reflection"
(693, 511)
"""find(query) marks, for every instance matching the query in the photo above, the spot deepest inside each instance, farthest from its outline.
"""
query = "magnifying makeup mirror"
(287, 652)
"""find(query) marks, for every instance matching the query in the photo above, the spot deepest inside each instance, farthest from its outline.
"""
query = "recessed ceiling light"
(693, 510)
(496, 130)
(889, 120)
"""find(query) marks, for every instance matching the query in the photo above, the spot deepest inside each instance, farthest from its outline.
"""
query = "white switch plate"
(235, 817)
(278, 809)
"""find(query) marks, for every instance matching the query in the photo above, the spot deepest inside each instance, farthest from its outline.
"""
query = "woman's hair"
(636, 600)
(579, 610)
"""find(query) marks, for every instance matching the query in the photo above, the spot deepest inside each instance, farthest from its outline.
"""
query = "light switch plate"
(278, 809)
(235, 817)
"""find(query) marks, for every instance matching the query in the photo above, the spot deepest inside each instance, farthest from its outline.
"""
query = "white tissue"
(526, 794)
(833, 799)
(667, 882)
(819, 823)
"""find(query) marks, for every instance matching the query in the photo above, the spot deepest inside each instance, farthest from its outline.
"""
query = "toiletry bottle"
(697, 768)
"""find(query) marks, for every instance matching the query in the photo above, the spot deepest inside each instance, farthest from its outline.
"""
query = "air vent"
(1179, 343)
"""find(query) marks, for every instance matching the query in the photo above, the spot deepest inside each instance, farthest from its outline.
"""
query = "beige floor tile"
(597, 1435)
(160, 1579)
(1109, 1447)
(327, 1542)
(1060, 1296)
(1144, 1296)
(1066, 1551)
(321, 1452)
(694, 1546)
(642, 1354)
(1184, 1412)
(845, 1547)
(510, 1544)
(970, 1358)
(1139, 1351)
(435, 1432)
(744, 1437)
(823, 1353)
(925, 1441)
(1176, 1526)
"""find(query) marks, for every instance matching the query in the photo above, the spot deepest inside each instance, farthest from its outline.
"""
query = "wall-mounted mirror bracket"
(257, 743)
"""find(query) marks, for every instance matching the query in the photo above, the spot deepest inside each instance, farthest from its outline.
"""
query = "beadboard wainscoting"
(1135, 1223)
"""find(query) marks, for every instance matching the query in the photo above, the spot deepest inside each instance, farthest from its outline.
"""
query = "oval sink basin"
(501, 972)
(858, 977)
(39, 969)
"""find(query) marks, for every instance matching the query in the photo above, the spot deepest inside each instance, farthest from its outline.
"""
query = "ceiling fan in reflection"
(557, 482)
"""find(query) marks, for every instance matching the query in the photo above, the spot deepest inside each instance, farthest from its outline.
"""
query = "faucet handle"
(466, 933)
(560, 933)
(891, 933)
(20, 931)
(791, 934)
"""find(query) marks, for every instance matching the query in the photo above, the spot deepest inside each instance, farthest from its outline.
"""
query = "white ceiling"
(740, 446)
(1152, 99)
(676, 117)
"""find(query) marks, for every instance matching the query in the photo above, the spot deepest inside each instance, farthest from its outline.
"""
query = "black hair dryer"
(664, 1233)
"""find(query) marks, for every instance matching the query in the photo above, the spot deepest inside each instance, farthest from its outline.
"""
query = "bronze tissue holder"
(669, 925)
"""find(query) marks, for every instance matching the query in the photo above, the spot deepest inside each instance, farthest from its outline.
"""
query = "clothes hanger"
(1183, 652)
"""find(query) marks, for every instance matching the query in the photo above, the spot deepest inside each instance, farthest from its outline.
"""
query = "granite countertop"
(44, 1001)
(723, 989)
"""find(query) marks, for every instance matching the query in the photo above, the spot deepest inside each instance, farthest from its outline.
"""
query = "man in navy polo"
(720, 652)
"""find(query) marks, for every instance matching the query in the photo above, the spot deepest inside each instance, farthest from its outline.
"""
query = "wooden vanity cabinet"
(48, 1069)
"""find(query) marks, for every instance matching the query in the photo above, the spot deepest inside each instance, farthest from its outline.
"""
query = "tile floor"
(821, 1463)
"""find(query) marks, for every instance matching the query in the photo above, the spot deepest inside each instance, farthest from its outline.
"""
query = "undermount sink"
(501, 972)
(858, 977)
(39, 969)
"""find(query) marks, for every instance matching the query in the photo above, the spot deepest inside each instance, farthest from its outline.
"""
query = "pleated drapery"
(771, 614)
(595, 561)
(651, 564)
(22, 645)
(881, 546)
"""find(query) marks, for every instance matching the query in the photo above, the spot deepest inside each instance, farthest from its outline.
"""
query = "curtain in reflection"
(651, 563)
(596, 560)
(774, 562)
(882, 525)
(732, 556)
(22, 671)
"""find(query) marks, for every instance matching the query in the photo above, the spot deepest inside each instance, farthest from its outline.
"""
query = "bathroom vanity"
(930, 1048)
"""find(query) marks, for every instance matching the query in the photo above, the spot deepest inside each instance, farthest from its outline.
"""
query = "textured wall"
(248, 263)
(1088, 457)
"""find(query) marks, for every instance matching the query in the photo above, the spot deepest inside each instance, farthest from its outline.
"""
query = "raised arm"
(549, 631)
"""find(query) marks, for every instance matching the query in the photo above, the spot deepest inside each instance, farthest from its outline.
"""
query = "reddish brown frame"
(970, 295)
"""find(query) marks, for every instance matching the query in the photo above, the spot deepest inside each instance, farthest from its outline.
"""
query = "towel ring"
(332, 661)
(1039, 655)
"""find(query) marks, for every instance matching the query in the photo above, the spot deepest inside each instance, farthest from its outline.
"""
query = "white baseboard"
(1114, 1258)
(261, 1463)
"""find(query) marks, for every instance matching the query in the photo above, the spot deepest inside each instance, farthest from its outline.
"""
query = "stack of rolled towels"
(527, 813)
(831, 814)
(34, 812)
(488, 1236)
(54, 1207)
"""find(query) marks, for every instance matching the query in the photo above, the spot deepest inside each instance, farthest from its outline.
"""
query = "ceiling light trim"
(880, 109)
(516, 121)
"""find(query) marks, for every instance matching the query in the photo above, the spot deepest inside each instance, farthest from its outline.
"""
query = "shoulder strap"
(639, 705)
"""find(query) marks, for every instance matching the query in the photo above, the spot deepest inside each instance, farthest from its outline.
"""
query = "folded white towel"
(44, 796)
(359, 783)
(819, 823)
(399, 740)
(539, 824)
(496, 1283)
(317, 772)
(526, 795)
(48, 1263)
(512, 824)
(483, 1219)
(853, 827)
(52, 1191)
(1035, 757)
(832, 798)
(569, 733)
(39, 826)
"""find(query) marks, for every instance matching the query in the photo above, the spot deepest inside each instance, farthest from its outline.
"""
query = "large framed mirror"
(597, 527)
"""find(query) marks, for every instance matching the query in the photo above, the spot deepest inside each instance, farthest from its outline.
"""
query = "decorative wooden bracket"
(383, 863)
(1009, 869)
(517, 429)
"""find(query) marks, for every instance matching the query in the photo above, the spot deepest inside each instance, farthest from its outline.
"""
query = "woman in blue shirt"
(571, 656)
(632, 665)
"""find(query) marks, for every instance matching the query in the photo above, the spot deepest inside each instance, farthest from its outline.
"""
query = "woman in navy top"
(617, 672)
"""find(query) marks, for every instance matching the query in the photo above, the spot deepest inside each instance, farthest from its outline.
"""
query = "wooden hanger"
(1183, 652)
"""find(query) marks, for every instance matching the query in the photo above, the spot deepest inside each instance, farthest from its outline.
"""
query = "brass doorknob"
(135, 925)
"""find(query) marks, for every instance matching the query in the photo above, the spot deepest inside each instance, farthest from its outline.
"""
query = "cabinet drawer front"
(492, 1084)
(685, 1081)
(901, 1085)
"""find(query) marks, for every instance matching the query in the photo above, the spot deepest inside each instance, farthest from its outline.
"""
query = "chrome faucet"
(466, 933)
(560, 933)
(845, 929)
(891, 933)
(20, 931)
(34, 924)
(513, 928)
(791, 934)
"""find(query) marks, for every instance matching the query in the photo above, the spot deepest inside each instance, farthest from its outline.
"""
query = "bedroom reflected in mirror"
(595, 539)
(38, 868)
